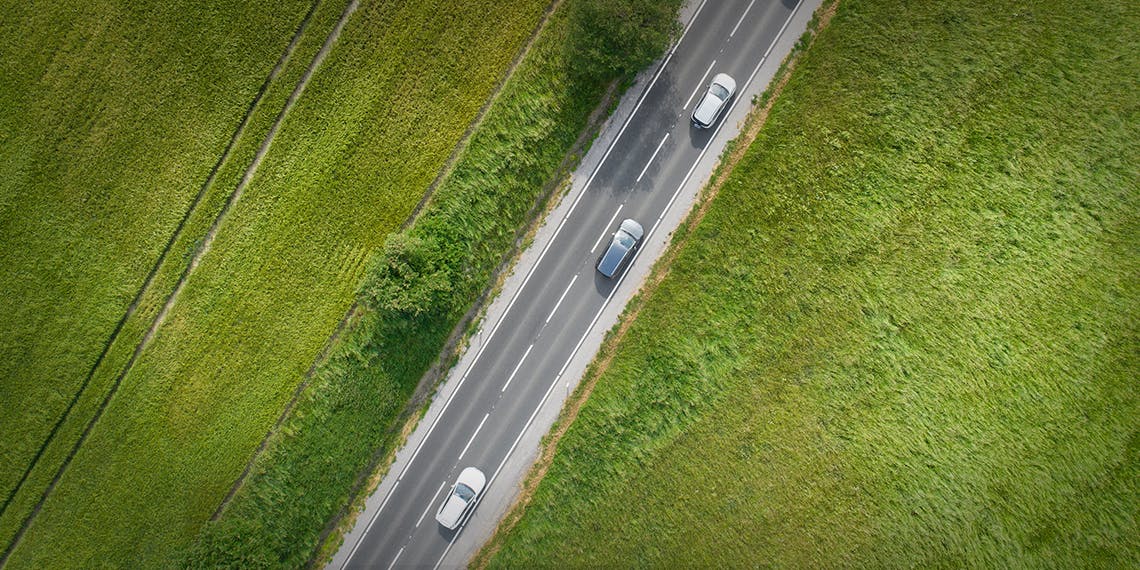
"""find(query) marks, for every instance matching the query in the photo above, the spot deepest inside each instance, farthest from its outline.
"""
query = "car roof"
(451, 511)
(707, 109)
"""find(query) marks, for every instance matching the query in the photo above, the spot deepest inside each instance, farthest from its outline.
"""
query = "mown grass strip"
(100, 133)
(416, 292)
(373, 127)
(903, 334)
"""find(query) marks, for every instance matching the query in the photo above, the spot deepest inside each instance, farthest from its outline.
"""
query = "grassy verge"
(350, 162)
(416, 292)
(102, 148)
(905, 331)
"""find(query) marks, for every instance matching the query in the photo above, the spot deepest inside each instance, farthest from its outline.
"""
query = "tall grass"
(905, 333)
(350, 162)
(415, 292)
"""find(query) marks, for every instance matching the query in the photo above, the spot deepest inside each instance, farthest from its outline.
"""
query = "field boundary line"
(756, 120)
(354, 309)
(202, 248)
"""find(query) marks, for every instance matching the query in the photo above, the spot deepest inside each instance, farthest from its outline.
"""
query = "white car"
(460, 501)
(715, 100)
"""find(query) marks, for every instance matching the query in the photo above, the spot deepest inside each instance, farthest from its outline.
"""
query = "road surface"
(481, 418)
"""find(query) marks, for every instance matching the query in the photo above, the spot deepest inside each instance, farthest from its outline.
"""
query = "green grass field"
(102, 148)
(906, 332)
(352, 159)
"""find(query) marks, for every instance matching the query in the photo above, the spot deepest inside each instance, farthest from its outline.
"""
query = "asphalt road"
(562, 295)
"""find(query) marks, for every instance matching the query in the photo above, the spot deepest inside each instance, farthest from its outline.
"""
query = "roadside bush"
(408, 277)
(621, 37)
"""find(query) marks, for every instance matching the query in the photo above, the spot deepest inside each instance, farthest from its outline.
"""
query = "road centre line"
(506, 311)
(390, 566)
(470, 441)
(700, 84)
(659, 145)
(726, 114)
(431, 503)
(541, 403)
(741, 20)
(516, 370)
(597, 168)
(557, 377)
(620, 280)
(606, 231)
(676, 193)
(559, 303)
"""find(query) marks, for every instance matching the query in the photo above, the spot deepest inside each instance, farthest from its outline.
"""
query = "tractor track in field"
(199, 252)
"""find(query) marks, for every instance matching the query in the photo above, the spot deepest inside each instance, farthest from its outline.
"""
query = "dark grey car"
(622, 246)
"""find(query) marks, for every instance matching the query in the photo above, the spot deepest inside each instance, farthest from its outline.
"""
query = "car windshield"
(464, 492)
(719, 91)
(624, 239)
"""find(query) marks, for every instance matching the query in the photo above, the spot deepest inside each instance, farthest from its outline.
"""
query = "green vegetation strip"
(351, 160)
(103, 146)
(420, 287)
(904, 334)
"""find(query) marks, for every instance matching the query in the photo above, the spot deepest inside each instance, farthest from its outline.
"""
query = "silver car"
(715, 100)
(622, 246)
(460, 501)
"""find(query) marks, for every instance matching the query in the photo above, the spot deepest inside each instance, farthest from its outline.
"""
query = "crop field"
(351, 160)
(103, 147)
(905, 332)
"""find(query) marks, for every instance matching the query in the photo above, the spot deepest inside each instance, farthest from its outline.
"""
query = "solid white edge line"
(560, 299)
(606, 230)
(516, 370)
(541, 403)
(755, 70)
(700, 84)
(503, 316)
(393, 564)
(431, 503)
(741, 20)
(655, 151)
(449, 543)
(472, 440)
(369, 527)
